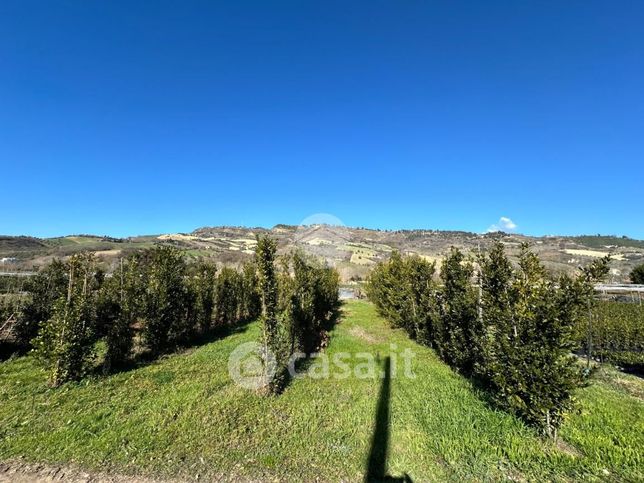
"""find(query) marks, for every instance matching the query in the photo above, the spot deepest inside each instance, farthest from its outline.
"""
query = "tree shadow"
(283, 379)
(9, 349)
(377, 461)
(146, 357)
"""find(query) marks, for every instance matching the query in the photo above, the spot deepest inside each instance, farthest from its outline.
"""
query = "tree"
(459, 337)
(44, 289)
(164, 298)
(228, 289)
(268, 289)
(65, 341)
(518, 343)
(119, 304)
(637, 274)
(202, 288)
(251, 304)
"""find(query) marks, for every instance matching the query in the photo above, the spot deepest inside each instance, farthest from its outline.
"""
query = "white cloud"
(504, 224)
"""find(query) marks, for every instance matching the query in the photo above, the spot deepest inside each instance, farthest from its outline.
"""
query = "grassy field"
(183, 416)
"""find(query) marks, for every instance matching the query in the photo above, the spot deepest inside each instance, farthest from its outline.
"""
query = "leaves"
(513, 332)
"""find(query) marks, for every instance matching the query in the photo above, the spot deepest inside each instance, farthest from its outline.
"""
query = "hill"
(352, 250)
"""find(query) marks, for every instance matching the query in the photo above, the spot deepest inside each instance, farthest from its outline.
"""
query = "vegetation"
(153, 303)
(64, 342)
(44, 289)
(616, 334)
(514, 332)
(637, 274)
(297, 304)
(183, 416)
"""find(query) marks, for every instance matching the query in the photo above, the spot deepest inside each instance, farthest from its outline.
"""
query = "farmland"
(353, 251)
(182, 416)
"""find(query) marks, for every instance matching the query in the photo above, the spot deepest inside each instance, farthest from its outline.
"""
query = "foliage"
(514, 332)
(165, 298)
(529, 319)
(269, 293)
(184, 416)
(297, 301)
(402, 288)
(228, 295)
(44, 289)
(250, 298)
(65, 341)
(459, 338)
(119, 304)
(311, 295)
(616, 332)
(201, 286)
(637, 274)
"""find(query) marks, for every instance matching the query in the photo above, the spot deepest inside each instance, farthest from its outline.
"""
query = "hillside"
(352, 250)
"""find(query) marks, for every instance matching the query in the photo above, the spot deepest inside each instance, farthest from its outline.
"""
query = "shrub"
(43, 289)
(65, 341)
(228, 296)
(250, 303)
(529, 319)
(120, 303)
(312, 297)
(514, 332)
(268, 288)
(164, 300)
(202, 290)
(616, 333)
(637, 274)
(458, 339)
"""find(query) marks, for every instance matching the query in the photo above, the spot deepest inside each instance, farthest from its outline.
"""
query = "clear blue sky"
(126, 117)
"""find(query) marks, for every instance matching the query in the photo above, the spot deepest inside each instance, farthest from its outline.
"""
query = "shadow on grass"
(9, 349)
(146, 357)
(377, 461)
(302, 365)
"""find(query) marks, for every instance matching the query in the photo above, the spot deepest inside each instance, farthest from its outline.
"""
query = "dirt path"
(18, 472)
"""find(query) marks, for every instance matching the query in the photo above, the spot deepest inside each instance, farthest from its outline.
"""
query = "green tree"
(637, 274)
(459, 336)
(202, 288)
(228, 298)
(269, 293)
(164, 299)
(251, 304)
(120, 303)
(65, 341)
(43, 289)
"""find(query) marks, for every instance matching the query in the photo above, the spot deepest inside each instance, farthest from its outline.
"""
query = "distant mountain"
(352, 250)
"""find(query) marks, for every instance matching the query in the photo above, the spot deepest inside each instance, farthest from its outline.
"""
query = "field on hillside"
(353, 251)
(183, 416)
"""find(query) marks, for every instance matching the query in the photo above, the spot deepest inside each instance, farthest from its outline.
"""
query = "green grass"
(183, 416)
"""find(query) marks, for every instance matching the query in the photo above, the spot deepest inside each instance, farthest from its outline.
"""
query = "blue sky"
(125, 117)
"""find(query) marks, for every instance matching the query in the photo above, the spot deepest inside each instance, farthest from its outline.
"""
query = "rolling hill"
(352, 250)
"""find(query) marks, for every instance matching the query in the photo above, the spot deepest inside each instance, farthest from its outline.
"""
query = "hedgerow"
(64, 342)
(154, 302)
(511, 328)
(298, 300)
(615, 334)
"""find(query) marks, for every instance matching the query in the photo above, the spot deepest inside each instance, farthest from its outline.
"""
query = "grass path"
(183, 417)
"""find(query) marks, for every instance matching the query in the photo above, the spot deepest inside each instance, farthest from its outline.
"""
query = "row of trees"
(299, 299)
(153, 300)
(614, 334)
(509, 327)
